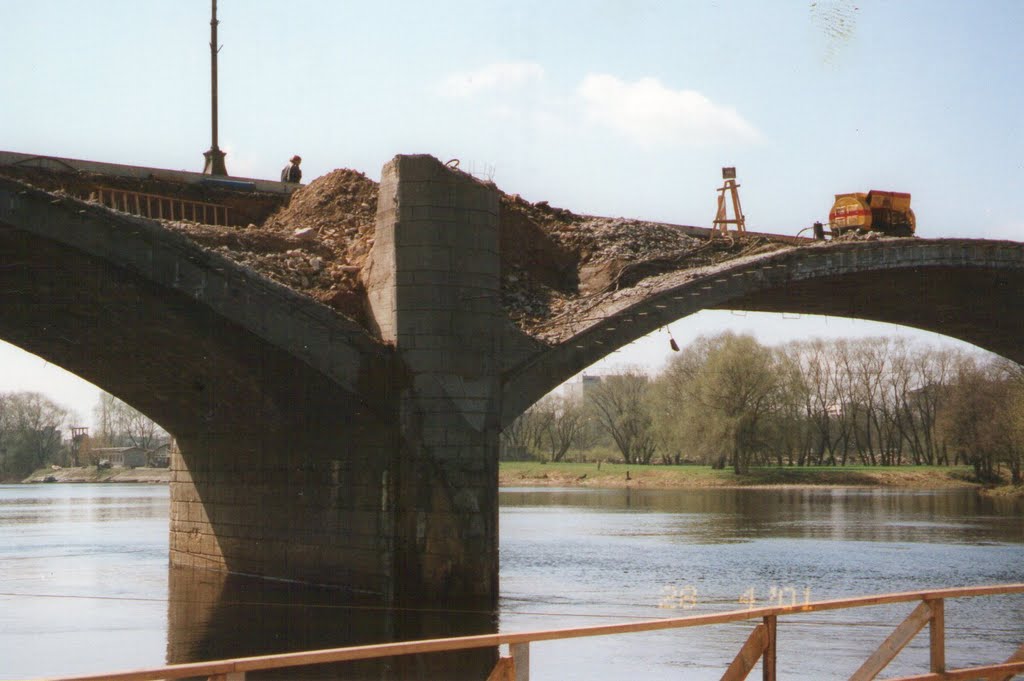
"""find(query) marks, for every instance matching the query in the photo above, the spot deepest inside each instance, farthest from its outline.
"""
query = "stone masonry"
(433, 285)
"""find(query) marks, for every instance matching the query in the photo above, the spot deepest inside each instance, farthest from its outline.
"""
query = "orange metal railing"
(759, 646)
(161, 207)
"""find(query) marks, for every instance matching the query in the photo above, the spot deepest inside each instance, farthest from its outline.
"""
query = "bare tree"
(561, 426)
(821, 401)
(620, 406)
(518, 435)
(788, 433)
(121, 425)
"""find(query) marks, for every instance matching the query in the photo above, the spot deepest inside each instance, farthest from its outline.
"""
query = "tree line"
(730, 402)
(35, 432)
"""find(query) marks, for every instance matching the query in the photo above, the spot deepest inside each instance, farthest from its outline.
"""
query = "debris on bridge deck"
(553, 259)
(555, 263)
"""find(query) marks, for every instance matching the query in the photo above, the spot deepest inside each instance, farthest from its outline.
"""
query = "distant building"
(160, 457)
(578, 390)
(122, 457)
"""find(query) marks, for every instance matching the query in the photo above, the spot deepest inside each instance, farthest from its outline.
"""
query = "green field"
(668, 477)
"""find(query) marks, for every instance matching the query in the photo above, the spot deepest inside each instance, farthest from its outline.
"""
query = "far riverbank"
(94, 474)
(699, 477)
(612, 475)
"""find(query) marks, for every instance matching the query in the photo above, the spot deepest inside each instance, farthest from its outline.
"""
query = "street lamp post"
(214, 157)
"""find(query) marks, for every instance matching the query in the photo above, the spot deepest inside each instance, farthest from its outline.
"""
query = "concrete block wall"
(433, 287)
(295, 504)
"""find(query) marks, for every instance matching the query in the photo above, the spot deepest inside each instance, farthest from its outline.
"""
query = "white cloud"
(491, 77)
(650, 113)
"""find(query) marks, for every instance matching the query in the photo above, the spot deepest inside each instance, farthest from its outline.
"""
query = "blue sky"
(609, 107)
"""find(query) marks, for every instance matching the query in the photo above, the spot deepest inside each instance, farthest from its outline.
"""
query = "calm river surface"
(85, 586)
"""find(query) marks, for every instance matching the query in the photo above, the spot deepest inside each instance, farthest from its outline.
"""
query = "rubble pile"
(315, 245)
(553, 260)
(555, 264)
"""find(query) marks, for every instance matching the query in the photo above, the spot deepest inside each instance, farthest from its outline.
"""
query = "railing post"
(1016, 657)
(937, 635)
(896, 641)
(768, 659)
(753, 650)
(521, 655)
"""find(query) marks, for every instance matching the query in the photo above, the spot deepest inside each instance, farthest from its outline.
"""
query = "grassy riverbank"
(530, 474)
(691, 477)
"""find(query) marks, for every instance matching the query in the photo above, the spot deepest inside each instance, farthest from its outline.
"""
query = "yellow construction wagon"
(874, 211)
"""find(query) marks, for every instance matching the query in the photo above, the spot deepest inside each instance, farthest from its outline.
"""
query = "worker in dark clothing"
(292, 172)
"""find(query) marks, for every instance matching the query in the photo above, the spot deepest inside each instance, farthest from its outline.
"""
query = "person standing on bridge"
(292, 172)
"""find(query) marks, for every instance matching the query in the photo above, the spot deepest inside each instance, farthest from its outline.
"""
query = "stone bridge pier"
(434, 290)
(392, 493)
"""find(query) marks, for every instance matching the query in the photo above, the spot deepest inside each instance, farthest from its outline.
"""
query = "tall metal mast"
(214, 157)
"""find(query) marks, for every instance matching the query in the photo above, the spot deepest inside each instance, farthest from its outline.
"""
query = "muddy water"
(85, 587)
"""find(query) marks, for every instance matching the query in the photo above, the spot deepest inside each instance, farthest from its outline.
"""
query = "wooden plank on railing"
(768, 665)
(937, 636)
(505, 670)
(896, 641)
(748, 656)
(1016, 657)
(988, 672)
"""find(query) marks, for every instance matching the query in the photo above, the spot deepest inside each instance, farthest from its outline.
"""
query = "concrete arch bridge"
(314, 449)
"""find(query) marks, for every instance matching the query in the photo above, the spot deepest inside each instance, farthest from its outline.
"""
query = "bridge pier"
(433, 286)
(398, 500)
(297, 497)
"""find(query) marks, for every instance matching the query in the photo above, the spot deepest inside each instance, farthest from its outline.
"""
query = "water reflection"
(736, 515)
(212, 615)
(48, 505)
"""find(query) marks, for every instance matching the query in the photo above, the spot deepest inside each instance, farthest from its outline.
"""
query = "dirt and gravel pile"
(555, 262)
(552, 259)
(316, 244)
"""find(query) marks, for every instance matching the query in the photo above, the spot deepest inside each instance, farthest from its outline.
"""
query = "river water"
(85, 586)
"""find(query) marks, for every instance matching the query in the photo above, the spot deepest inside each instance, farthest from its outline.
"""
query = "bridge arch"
(966, 289)
(280, 407)
(183, 335)
(311, 451)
